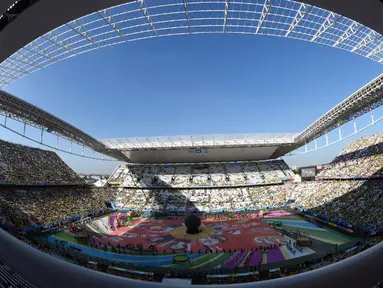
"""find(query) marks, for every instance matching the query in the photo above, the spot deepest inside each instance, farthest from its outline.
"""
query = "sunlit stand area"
(245, 233)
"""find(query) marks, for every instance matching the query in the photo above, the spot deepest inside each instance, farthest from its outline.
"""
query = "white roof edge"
(218, 140)
(342, 102)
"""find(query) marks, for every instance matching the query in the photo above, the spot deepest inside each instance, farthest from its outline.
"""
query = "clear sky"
(201, 84)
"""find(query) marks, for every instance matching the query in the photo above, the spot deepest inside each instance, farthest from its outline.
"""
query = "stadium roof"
(203, 148)
(15, 108)
(137, 20)
(362, 101)
(201, 141)
(38, 46)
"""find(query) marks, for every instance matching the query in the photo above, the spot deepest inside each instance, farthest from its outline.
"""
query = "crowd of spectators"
(356, 202)
(204, 200)
(200, 175)
(360, 158)
(26, 207)
(23, 165)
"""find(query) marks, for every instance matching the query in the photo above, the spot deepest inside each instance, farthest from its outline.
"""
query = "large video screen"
(308, 172)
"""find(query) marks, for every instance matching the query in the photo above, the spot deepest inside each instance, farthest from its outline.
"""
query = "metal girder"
(265, 11)
(376, 50)
(61, 43)
(8, 76)
(80, 30)
(13, 69)
(131, 143)
(142, 5)
(3, 82)
(187, 14)
(330, 20)
(25, 112)
(362, 101)
(26, 62)
(301, 13)
(368, 39)
(33, 48)
(106, 27)
(105, 14)
(351, 30)
(150, 143)
(227, 2)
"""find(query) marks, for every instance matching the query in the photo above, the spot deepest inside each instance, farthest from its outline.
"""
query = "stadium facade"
(74, 34)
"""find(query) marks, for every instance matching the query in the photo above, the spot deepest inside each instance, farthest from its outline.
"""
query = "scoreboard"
(308, 173)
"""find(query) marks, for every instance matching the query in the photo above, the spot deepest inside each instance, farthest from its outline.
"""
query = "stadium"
(191, 209)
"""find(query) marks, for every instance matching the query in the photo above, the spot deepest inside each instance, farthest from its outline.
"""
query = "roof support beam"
(158, 139)
(61, 43)
(25, 112)
(367, 40)
(150, 143)
(142, 5)
(8, 76)
(330, 20)
(142, 144)
(303, 10)
(121, 145)
(131, 143)
(186, 14)
(26, 61)
(351, 30)
(108, 18)
(362, 101)
(36, 49)
(79, 29)
(5, 68)
(376, 50)
(265, 11)
(227, 2)
(3, 83)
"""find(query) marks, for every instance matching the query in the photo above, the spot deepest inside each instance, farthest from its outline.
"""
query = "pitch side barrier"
(45, 271)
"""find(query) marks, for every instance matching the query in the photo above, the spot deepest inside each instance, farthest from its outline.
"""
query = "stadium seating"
(200, 175)
(21, 164)
(360, 158)
(26, 207)
(208, 200)
(8, 278)
(37, 206)
(203, 187)
(357, 202)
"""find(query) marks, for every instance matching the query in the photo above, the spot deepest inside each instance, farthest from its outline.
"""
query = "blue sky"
(201, 84)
